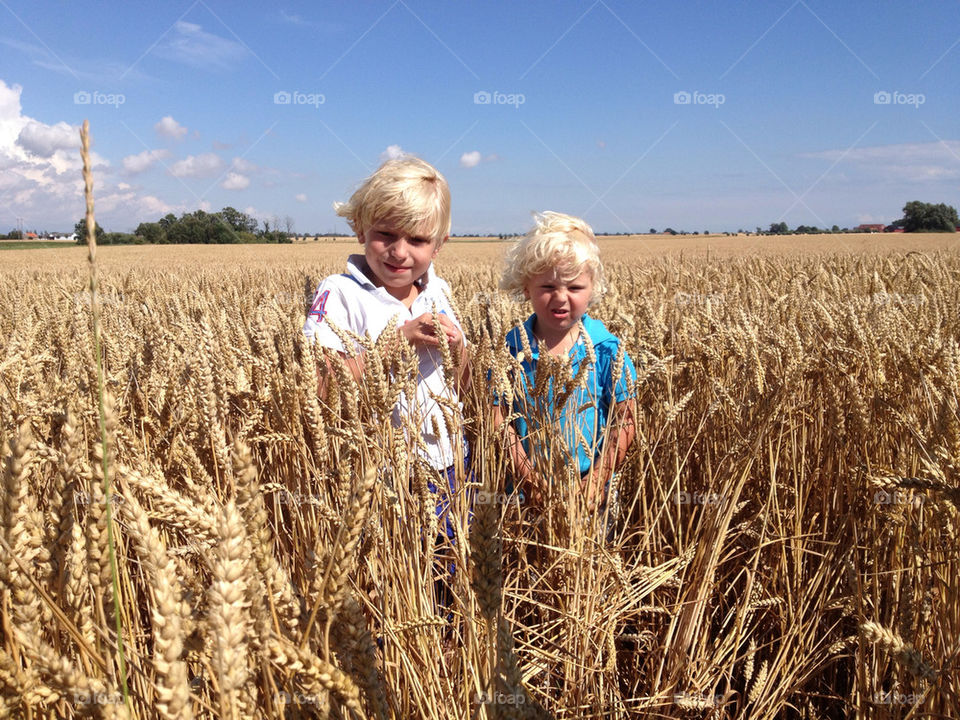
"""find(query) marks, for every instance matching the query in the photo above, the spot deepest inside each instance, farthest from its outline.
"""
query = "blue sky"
(693, 115)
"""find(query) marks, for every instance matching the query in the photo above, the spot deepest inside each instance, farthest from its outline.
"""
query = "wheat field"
(786, 545)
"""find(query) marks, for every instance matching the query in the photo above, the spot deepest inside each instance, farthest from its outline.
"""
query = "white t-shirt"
(352, 302)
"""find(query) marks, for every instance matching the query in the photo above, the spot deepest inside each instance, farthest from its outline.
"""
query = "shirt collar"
(534, 344)
(357, 267)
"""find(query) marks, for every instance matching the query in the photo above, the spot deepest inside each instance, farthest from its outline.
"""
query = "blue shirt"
(585, 413)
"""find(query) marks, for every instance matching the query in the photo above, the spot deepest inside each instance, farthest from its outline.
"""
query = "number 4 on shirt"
(318, 306)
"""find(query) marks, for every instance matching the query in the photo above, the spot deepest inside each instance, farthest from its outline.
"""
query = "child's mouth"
(395, 268)
(560, 313)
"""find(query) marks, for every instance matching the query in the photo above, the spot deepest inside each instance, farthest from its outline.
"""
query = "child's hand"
(421, 331)
(594, 490)
(534, 490)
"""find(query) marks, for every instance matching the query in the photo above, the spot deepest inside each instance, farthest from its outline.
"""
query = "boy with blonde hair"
(556, 266)
(401, 215)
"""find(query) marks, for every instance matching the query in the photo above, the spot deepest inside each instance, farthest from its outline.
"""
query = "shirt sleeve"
(620, 388)
(625, 387)
(328, 306)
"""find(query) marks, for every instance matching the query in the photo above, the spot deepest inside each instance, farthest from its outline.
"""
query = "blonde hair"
(562, 243)
(406, 192)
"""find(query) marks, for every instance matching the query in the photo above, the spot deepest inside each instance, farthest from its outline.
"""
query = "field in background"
(472, 250)
(787, 545)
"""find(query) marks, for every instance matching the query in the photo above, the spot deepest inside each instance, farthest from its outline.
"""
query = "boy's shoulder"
(353, 282)
(515, 337)
(435, 283)
(599, 335)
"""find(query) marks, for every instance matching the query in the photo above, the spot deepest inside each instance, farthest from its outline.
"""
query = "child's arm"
(419, 331)
(620, 435)
(533, 486)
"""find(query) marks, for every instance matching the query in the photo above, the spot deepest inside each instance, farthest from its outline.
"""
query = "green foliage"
(240, 222)
(779, 228)
(203, 228)
(81, 230)
(118, 238)
(927, 217)
(152, 233)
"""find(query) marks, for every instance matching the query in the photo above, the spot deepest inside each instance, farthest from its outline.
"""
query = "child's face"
(558, 304)
(396, 258)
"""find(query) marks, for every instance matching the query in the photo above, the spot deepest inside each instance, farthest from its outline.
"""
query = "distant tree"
(669, 231)
(835, 229)
(241, 222)
(779, 228)
(926, 217)
(14, 235)
(81, 230)
(118, 238)
(152, 233)
(653, 231)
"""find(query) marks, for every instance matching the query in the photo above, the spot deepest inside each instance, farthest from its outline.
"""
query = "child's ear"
(440, 244)
(360, 236)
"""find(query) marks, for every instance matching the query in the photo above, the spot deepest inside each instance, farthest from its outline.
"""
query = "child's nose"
(400, 248)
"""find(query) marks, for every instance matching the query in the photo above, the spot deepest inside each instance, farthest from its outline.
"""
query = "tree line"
(199, 227)
(232, 226)
(917, 217)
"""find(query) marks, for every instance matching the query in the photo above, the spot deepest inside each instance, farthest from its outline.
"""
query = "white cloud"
(292, 18)
(141, 162)
(190, 44)
(392, 153)
(242, 166)
(470, 159)
(168, 127)
(197, 166)
(44, 140)
(907, 162)
(40, 165)
(300, 197)
(235, 181)
(473, 158)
